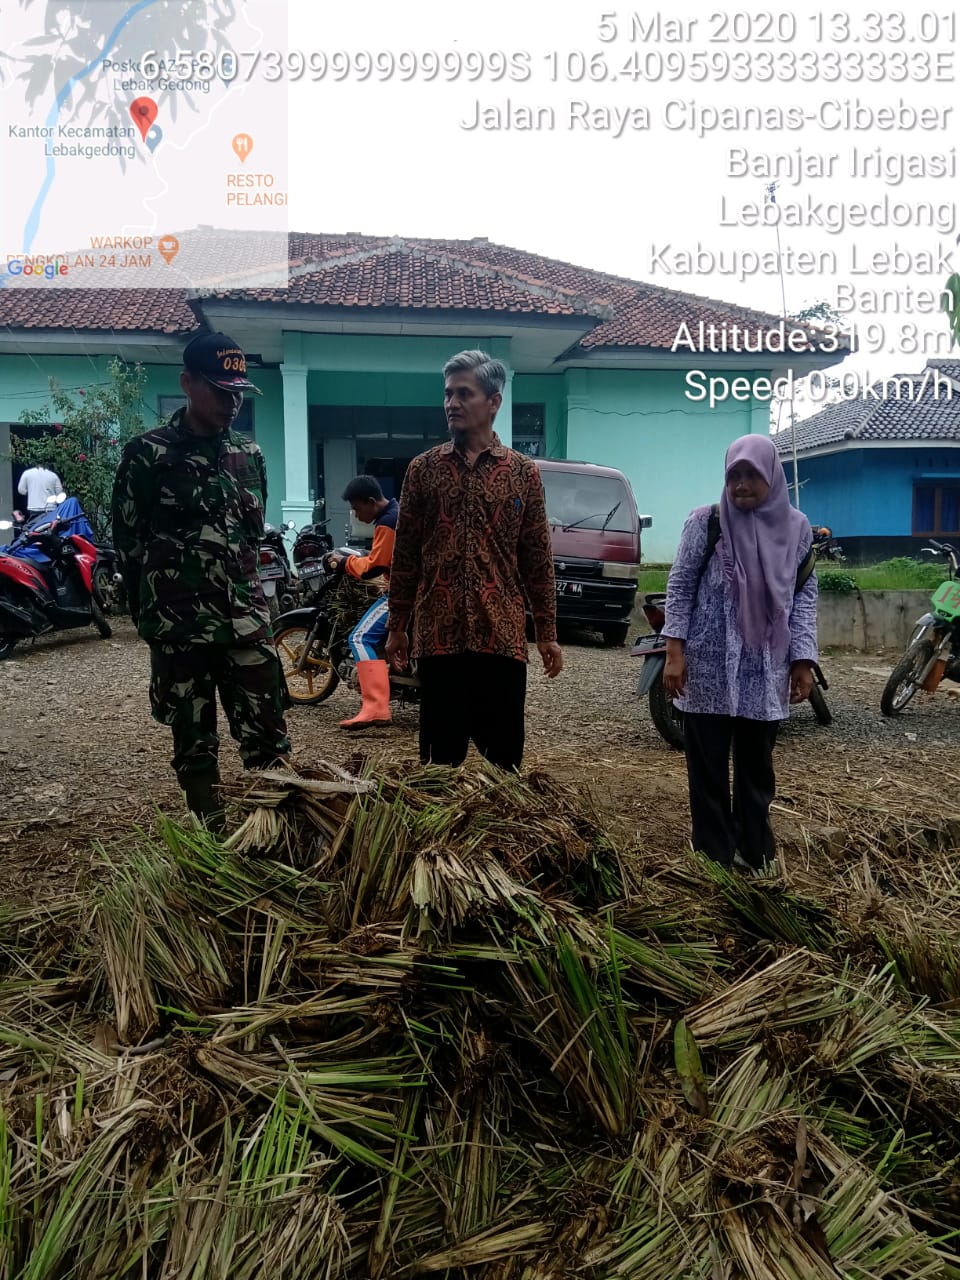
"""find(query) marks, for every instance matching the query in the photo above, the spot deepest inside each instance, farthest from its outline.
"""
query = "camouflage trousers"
(184, 683)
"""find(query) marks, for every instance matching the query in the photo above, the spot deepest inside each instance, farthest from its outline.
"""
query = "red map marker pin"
(144, 112)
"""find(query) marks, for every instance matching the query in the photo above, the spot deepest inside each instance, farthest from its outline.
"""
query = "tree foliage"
(819, 313)
(89, 429)
(951, 305)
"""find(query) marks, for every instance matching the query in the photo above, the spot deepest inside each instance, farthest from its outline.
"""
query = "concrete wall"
(869, 619)
(866, 620)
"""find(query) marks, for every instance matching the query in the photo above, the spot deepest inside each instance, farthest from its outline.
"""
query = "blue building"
(884, 473)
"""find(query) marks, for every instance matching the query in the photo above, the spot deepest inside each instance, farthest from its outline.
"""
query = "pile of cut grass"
(439, 1025)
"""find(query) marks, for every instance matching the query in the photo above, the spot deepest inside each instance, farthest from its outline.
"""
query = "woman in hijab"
(741, 644)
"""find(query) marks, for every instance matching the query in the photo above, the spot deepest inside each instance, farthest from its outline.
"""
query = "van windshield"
(587, 501)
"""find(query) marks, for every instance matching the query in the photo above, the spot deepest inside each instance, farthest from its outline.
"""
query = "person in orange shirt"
(370, 507)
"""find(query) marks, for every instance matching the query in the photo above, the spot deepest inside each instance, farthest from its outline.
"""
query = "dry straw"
(439, 1025)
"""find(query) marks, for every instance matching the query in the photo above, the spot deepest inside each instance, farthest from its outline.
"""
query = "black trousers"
(476, 696)
(719, 828)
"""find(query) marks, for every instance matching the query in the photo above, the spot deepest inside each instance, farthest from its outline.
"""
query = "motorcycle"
(276, 575)
(21, 524)
(933, 653)
(106, 572)
(312, 641)
(47, 578)
(109, 580)
(667, 719)
(825, 544)
(311, 545)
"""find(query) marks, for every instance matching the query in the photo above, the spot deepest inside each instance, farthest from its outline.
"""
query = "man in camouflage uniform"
(188, 511)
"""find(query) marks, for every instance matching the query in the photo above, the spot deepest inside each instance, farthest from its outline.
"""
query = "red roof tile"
(368, 273)
(129, 310)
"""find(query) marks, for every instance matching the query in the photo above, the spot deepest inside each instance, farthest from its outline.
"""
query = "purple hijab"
(759, 549)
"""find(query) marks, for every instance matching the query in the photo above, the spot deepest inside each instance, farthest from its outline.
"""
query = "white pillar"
(503, 424)
(296, 503)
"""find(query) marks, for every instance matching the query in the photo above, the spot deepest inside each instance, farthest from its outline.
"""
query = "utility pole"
(772, 199)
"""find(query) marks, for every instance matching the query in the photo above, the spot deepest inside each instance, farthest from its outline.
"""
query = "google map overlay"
(138, 150)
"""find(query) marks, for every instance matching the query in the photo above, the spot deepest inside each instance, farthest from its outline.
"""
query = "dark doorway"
(387, 437)
(18, 468)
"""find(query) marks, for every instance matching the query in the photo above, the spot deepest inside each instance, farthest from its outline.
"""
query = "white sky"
(387, 154)
(389, 158)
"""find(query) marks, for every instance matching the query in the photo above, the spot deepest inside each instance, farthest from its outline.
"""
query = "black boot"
(202, 794)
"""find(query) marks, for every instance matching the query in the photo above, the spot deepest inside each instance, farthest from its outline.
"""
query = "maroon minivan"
(596, 544)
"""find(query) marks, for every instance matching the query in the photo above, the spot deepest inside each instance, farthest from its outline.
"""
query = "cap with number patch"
(217, 358)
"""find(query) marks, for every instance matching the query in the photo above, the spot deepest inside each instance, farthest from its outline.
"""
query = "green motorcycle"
(933, 653)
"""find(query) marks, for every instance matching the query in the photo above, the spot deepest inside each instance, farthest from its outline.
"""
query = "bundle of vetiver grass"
(440, 1026)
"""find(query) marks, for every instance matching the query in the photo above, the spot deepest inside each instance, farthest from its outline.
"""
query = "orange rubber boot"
(374, 678)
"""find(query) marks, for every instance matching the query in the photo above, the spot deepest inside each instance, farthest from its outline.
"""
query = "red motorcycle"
(47, 578)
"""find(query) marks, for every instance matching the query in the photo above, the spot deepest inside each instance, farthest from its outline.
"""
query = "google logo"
(49, 270)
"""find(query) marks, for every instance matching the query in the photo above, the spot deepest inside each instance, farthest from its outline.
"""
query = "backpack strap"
(807, 566)
(713, 537)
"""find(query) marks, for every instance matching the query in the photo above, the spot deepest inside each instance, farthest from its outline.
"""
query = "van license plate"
(569, 588)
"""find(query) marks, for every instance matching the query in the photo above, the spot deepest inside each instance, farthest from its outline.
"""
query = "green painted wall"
(24, 381)
(670, 448)
(337, 388)
(24, 384)
(357, 353)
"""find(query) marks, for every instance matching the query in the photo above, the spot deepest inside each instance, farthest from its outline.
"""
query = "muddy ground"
(82, 761)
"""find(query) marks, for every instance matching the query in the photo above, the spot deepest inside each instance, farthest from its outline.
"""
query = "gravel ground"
(84, 759)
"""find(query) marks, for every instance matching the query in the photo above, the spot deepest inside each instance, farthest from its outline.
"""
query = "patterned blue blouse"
(724, 678)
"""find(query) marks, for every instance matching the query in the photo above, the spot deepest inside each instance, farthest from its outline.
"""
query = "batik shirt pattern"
(471, 539)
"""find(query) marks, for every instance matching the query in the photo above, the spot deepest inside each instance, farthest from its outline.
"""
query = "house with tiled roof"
(349, 356)
(882, 470)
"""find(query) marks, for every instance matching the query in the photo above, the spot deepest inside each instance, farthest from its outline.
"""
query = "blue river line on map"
(33, 222)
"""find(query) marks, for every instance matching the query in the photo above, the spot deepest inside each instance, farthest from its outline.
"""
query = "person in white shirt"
(37, 484)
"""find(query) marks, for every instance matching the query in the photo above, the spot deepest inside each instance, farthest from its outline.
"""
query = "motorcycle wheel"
(819, 705)
(273, 605)
(319, 677)
(113, 598)
(667, 720)
(99, 621)
(7, 645)
(905, 678)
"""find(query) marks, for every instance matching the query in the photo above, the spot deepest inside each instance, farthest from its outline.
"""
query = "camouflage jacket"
(187, 520)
